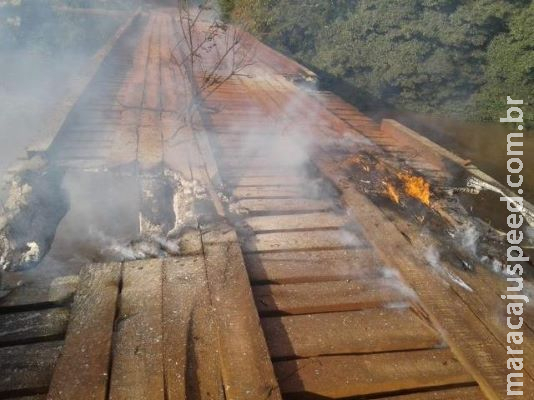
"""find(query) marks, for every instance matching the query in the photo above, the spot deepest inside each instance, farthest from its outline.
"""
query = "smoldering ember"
(235, 199)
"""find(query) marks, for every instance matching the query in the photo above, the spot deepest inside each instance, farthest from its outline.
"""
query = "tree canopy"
(456, 57)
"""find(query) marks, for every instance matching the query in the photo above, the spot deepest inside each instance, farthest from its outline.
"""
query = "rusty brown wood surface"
(305, 289)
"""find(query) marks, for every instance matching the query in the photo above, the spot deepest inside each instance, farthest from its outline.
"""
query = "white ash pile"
(170, 208)
(32, 205)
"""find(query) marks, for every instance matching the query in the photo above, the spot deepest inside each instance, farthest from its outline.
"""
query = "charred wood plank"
(28, 367)
(23, 327)
(312, 266)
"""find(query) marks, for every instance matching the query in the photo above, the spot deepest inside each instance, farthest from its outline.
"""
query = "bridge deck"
(299, 288)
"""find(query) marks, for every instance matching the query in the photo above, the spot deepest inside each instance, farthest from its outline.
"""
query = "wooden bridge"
(292, 284)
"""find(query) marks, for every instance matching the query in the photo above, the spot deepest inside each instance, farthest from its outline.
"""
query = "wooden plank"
(177, 142)
(244, 160)
(192, 367)
(292, 222)
(137, 370)
(151, 95)
(150, 143)
(467, 393)
(131, 92)
(283, 205)
(468, 337)
(266, 192)
(266, 181)
(36, 397)
(62, 110)
(357, 375)
(124, 149)
(305, 240)
(485, 299)
(312, 266)
(60, 291)
(315, 297)
(33, 325)
(169, 91)
(82, 371)
(28, 367)
(246, 368)
(353, 332)
(266, 171)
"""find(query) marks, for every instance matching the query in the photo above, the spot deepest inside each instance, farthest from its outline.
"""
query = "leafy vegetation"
(459, 57)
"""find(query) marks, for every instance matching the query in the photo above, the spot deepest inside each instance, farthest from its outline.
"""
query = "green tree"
(447, 56)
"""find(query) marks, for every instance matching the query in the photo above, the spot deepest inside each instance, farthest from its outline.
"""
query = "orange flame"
(392, 193)
(416, 187)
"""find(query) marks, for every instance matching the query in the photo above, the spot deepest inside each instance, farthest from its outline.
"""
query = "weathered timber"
(266, 192)
(319, 220)
(315, 297)
(304, 240)
(358, 375)
(312, 266)
(83, 369)
(33, 325)
(283, 205)
(28, 367)
(266, 181)
(353, 332)
(246, 368)
(191, 362)
(60, 291)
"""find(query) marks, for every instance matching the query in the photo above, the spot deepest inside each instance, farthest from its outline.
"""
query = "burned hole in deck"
(76, 217)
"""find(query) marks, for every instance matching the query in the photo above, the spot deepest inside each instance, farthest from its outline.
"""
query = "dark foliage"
(460, 57)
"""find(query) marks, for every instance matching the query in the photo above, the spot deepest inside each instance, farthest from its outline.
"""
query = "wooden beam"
(332, 296)
(137, 370)
(33, 325)
(191, 363)
(350, 332)
(312, 266)
(357, 375)
(28, 367)
(246, 367)
(83, 369)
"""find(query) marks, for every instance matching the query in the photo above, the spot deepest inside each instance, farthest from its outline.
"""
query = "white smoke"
(433, 257)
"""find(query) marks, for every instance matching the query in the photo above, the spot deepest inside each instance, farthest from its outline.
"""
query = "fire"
(416, 187)
(392, 193)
